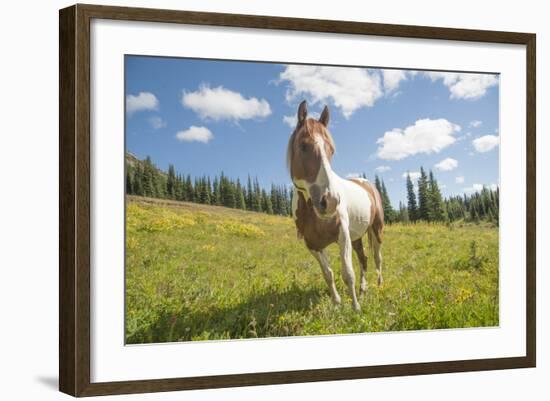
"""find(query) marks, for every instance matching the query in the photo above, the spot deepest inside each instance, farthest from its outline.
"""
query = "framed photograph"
(250, 200)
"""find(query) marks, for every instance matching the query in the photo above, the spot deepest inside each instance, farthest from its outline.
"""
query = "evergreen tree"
(148, 189)
(189, 190)
(286, 202)
(203, 191)
(209, 190)
(411, 200)
(228, 193)
(128, 182)
(389, 213)
(423, 196)
(239, 196)
(138, 180)
(180, 191)
(437, 210)
(171, 182)
(377, 184)
(403, 213)
(275, 204)
(267, 207)
(256, 197)
(216, 196)
(198, 190)
(249, 195)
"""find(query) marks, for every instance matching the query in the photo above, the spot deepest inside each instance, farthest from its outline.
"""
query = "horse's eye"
(303, 147)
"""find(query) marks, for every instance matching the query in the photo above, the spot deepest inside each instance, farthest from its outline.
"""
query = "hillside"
(200, 272)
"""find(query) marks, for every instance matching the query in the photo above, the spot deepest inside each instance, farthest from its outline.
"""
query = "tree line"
(143, 178)
(427, 203)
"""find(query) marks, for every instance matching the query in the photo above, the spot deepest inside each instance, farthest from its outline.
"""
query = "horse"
(329, 209)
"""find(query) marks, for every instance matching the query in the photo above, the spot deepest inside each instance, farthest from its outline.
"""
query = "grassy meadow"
(196, 272)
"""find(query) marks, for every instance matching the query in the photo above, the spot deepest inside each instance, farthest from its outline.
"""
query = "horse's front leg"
(322, 258)
(344, 240)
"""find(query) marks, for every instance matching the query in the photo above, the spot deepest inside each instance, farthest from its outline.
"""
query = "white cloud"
(459, 179)
(195, 134)
(140, 102)
(486, 143)
(476, 123)
(479, 188)
(353, 175)
(447, 164)
(382, 169)
(473, 188)
(157, 122)
(425, 136)
(291, 121)
(392, 79)
(415, 175)
(464, 85)
(349, 89)
(223, 104)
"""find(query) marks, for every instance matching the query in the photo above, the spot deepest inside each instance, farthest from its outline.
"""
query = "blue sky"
(207, 116)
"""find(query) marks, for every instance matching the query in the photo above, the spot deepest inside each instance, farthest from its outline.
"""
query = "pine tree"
(147, 181)
(203, 191)
(216, 198)
(423, 196)
(257, 197)
(171, 182)
(249, 195)
(411, 200)
(267, 207)
(403, 213)
(180, 191)
(209, 190)
(377, 184)
(228, 192)
(389, 213)
(189, 190)
(239, 196)
(275, 204)
(287, 209)
(128, 182)
(437, 210)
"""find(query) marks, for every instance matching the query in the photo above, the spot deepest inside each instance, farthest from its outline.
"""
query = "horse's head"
(309, 153)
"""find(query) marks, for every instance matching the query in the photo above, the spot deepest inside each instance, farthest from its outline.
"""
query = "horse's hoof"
(357, 307)
(336, 300)
(380, 281)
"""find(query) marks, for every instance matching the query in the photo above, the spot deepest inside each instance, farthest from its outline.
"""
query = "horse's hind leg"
(322, 258)
(360, 252)
(377, 251)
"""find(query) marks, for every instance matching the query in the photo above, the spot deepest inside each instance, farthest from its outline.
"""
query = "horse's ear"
(324, 117)
(302, 113)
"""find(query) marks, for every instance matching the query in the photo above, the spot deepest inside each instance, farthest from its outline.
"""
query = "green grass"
(197, 272)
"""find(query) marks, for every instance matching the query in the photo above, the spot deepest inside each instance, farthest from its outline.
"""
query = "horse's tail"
(377, 226)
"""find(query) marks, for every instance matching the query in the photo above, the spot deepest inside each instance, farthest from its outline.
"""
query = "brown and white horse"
(327, 208)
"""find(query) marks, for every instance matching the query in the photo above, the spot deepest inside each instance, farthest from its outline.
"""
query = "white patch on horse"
(294, 204)
(324, 174)
(358, 207)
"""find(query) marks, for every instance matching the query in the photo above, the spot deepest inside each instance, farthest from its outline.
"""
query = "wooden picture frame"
(74, 199)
